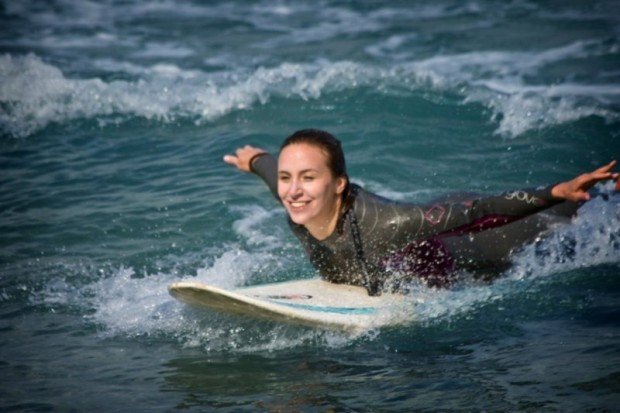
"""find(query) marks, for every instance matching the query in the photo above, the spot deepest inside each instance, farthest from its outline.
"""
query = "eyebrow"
(301, 172)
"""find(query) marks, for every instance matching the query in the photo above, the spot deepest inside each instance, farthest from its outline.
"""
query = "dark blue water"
(114, 117)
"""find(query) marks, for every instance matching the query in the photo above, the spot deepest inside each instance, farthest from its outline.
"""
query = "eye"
(308, 178)
(284, 178)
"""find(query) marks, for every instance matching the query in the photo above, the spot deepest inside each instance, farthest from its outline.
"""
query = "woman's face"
(307, 188)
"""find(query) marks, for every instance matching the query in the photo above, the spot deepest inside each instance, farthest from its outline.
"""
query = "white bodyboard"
(314, 303)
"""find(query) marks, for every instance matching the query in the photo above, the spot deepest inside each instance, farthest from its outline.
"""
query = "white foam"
(396, 195)
(423, 12)
(164, 50)
(163, 70)
(389, 48)
(124, 304)
(593, 238)
(35, 94)
(250, 225)
(234, 267)
(498, 80)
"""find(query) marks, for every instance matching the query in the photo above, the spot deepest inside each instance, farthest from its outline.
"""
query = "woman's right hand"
(243, 157)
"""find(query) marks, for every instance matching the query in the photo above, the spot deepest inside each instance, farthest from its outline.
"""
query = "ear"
(341, 184)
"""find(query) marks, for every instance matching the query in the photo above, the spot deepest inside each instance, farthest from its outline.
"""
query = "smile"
(298, 204)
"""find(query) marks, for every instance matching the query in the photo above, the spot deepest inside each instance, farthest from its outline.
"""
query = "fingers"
(606, 168)
(231, 160)
(603, 173)
(242, 157)
(240, 153)
(584, 196)
(603, 176)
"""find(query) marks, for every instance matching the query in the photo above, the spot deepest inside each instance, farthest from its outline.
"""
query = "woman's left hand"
(577, 189)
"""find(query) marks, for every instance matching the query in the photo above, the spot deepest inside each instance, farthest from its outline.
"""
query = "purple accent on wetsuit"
(434, 215)
(430, 260)
(480, 224)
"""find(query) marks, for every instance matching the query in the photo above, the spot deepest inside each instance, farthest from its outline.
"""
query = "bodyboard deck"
(314, 303)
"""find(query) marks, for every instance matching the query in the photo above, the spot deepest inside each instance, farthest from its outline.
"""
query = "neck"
(325, 227)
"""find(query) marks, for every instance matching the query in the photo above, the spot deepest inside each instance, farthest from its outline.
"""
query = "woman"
(355, 237)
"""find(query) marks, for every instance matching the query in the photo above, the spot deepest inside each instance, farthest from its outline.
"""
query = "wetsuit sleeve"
(266, 166)
(393, 225)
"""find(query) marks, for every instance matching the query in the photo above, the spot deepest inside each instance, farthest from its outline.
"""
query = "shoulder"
(362, 196)
(373, 211)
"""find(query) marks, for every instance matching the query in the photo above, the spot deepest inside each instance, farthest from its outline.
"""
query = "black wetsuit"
(377, 238)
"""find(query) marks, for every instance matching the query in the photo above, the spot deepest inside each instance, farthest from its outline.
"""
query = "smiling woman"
(111, 112)
(355, 237)
(312, 181)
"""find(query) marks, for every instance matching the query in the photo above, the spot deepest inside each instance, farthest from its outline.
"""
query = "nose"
(294, 190)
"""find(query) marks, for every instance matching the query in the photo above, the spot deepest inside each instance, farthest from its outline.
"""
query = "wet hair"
(335, 155)
(324, 141)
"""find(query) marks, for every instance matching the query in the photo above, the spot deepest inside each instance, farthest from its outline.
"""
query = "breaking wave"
(35, 94)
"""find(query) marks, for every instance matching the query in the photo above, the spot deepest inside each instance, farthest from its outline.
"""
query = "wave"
(122, 303)
(593, 238)
(331, 19)
(34, 94)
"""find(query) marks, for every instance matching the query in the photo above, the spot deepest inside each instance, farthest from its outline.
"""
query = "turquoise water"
(114, 117)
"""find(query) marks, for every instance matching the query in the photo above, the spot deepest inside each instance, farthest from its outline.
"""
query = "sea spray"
(35, 94)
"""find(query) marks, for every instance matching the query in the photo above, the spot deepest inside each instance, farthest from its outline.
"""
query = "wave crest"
(34, 94)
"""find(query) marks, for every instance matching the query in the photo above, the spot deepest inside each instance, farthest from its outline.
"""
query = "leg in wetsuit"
(441, 256)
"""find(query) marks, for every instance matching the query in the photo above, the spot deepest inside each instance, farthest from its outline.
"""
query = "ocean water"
(114, 117)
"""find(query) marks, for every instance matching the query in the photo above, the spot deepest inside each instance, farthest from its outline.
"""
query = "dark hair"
(332, 148)
(325, 141)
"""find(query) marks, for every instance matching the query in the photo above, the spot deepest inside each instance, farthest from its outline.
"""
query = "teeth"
(297, 204)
